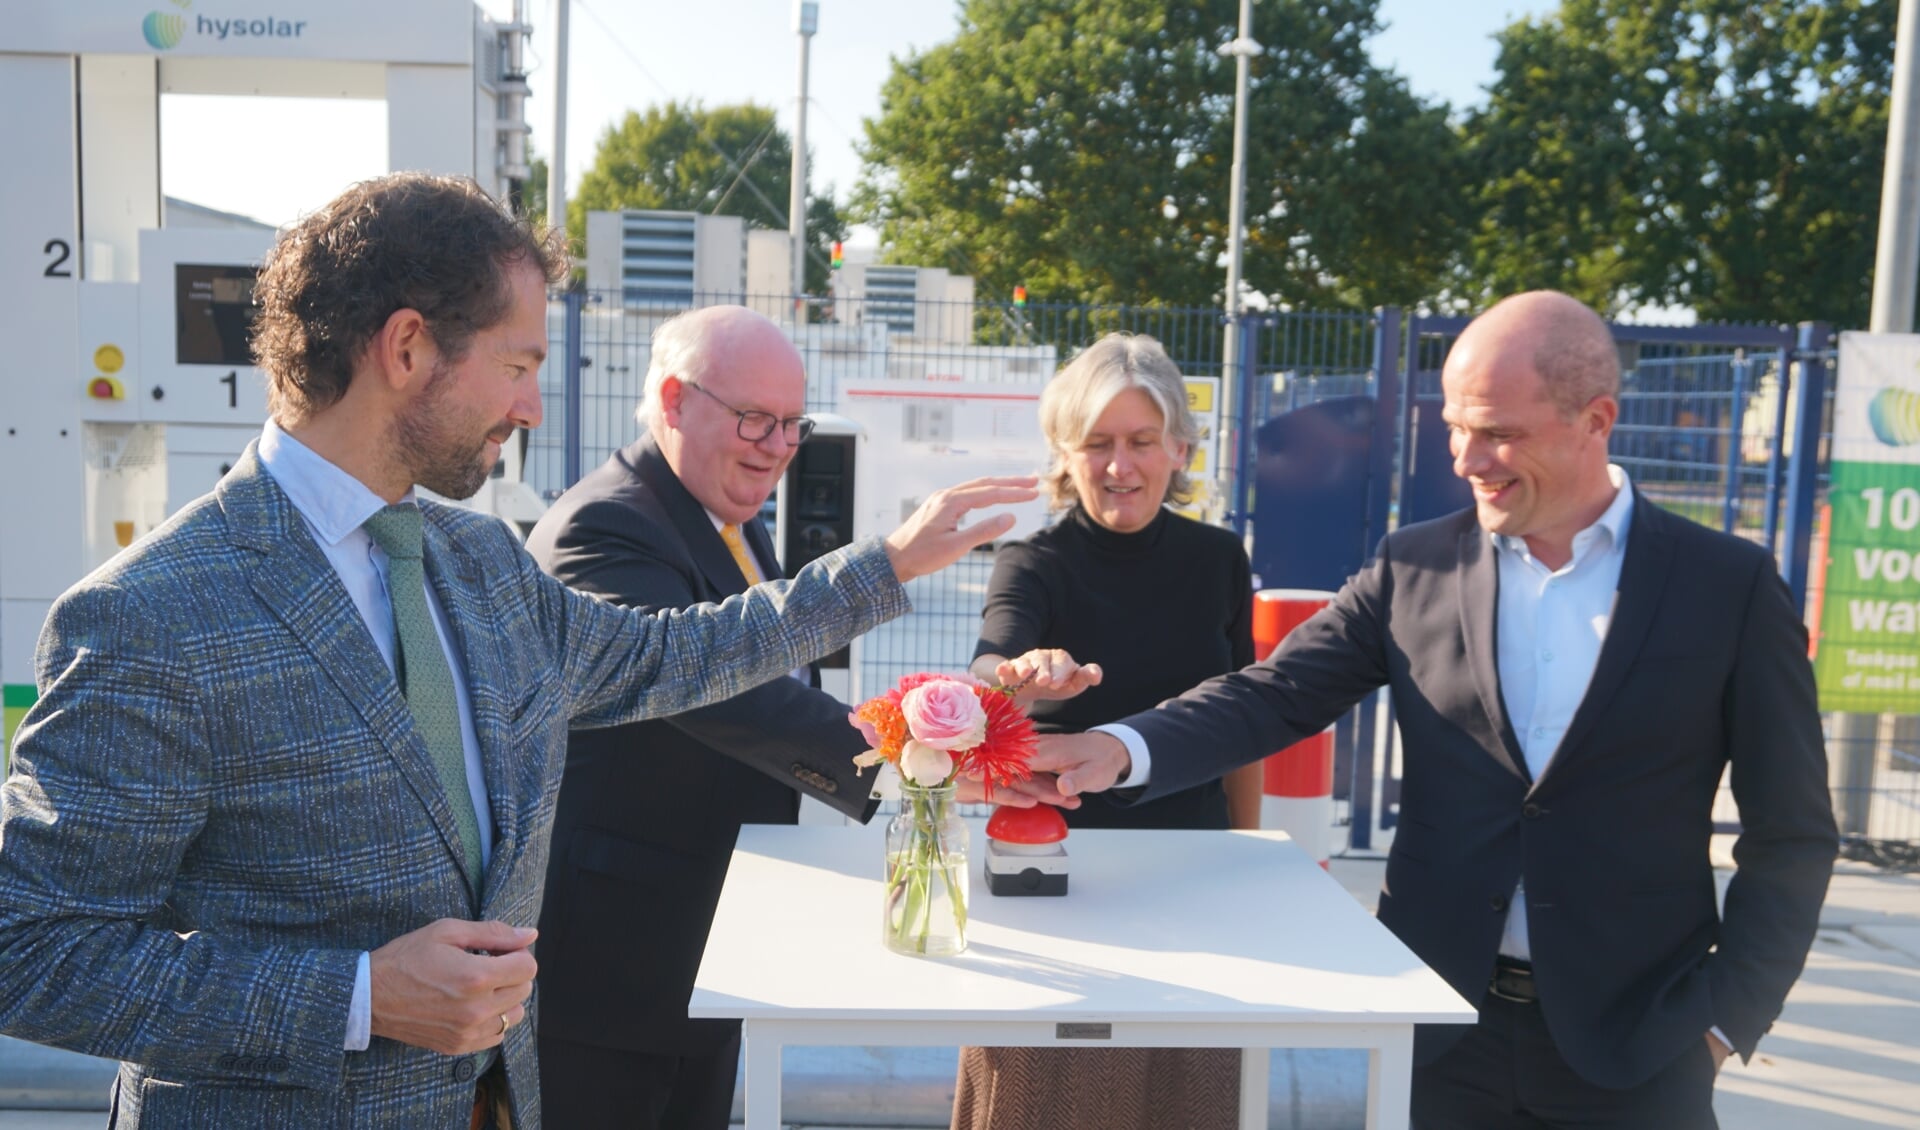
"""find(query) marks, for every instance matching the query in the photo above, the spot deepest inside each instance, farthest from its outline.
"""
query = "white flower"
(924, 765)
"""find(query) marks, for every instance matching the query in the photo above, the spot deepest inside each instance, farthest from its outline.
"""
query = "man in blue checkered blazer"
(249, 846)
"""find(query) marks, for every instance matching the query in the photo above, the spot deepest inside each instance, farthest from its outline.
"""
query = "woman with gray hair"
(1161, 603)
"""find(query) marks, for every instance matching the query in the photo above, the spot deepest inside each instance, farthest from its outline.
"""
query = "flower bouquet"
(933, 729)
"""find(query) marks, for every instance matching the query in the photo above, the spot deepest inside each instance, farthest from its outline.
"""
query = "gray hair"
(680, 348)
(1078, 393)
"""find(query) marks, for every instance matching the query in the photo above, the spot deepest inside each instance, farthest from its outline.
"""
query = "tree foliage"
(1084, 148)
(1718, 154)
(533, 194)
(727, 160)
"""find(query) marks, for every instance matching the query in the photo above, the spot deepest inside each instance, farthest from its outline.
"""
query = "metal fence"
(1707, 428)
(1015, 347)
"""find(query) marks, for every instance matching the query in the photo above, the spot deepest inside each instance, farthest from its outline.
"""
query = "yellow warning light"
(106, 388)
(108, 358)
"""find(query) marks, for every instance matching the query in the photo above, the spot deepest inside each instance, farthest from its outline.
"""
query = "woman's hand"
(1045, 673)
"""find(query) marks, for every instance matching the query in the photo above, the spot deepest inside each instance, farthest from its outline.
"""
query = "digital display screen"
(213, 313)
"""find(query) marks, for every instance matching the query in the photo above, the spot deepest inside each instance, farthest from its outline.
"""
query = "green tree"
(1718, 154)
(533, 194)
(728, 160)
(1084, 148)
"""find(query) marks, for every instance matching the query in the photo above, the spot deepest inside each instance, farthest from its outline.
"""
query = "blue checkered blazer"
(220, 799)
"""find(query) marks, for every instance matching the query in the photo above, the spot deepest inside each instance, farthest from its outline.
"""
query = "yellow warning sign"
(1200, 395)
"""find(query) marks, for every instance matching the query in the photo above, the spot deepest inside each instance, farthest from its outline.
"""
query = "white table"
(1166, 939)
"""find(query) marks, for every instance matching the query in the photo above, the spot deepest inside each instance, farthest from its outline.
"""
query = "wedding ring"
(503, 1024)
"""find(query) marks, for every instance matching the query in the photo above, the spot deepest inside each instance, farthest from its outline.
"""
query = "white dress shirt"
(334, 505)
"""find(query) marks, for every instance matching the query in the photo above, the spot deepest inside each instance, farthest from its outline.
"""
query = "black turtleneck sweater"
(1161, 610)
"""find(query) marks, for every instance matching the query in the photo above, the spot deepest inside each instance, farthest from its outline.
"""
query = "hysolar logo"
(163, 29)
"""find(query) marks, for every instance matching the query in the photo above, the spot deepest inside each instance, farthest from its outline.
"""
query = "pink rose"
(945, 714)
(866, 728)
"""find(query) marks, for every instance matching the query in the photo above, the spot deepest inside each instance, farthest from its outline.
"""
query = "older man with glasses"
(641, 844)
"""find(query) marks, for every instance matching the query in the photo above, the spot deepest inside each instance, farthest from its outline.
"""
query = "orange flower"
(884, 726)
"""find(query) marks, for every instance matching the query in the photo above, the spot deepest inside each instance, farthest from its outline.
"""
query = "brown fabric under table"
(1097, 1089)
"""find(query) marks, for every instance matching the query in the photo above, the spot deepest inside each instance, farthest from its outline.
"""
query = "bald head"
(1530, 403)
(1557, 336)
(702, 343)
(724, 390)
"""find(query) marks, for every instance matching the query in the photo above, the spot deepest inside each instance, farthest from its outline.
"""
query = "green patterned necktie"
(425, 678)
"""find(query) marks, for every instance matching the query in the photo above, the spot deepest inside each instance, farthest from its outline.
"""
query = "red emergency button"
(106, 388)
(1041, 824)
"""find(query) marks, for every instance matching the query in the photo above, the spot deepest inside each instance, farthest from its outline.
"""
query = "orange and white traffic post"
(1297, 785)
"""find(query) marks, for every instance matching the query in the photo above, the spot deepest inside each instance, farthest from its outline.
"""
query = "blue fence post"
(1249, 330)
(1386, 421)
(575, 301)
(1388, 425)
(1734, 432)
(1809, 404)
(1776, 466)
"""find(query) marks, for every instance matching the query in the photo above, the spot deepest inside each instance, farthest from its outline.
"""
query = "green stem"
(920, 868)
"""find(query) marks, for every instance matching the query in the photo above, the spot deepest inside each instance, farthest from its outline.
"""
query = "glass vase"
(926, 874)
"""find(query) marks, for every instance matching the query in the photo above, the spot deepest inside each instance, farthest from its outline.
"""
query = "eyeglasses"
(757, 426)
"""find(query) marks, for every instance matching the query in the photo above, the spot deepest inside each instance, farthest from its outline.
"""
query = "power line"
(732, 163)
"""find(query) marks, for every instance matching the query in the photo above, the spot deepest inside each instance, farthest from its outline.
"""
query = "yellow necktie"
(738, 547)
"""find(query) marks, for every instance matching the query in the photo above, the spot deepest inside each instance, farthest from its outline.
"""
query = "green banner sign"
(1867, 656)
(1868, 660)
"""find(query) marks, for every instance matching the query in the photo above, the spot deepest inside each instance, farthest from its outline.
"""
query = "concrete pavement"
(1845, 1053)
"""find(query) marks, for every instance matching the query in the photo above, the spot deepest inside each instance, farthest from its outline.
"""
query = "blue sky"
(629, 54)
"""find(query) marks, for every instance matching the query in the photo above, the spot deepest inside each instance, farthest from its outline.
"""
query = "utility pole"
(557, 164)
(1242, 50)
(806, 20)
(512, 126)
(1896, 263)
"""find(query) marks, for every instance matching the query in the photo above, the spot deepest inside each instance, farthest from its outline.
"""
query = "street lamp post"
(806, 20)
(557, 166)
(1242, 49)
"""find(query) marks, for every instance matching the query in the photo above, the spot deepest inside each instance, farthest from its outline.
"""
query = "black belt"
(1513, 981)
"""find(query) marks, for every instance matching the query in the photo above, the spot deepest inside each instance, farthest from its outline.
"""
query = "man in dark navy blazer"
(1573, 668)
(640, 844)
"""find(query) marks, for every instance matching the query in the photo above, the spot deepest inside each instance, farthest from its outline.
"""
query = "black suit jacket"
(648, 812)
(1705, 663)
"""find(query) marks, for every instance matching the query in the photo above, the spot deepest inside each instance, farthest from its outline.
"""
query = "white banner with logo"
(382, 31)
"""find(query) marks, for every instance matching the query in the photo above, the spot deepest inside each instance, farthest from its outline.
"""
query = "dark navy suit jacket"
(1704, 664)
(641, 843)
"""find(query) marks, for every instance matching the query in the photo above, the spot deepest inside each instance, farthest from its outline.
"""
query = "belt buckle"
(1503, 970)
(1494, 988)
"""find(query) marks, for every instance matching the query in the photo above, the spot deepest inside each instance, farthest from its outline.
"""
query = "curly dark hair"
(436, 244)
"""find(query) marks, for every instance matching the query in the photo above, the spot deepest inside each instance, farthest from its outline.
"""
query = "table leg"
(1254, 1068)
(762, 1071)
(1390, 1080)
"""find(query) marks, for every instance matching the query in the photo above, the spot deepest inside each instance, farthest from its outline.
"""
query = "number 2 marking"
(61, 250)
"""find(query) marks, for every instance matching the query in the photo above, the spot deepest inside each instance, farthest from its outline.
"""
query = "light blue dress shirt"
(1551, 625)
(334, 505)
(1550, 628)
